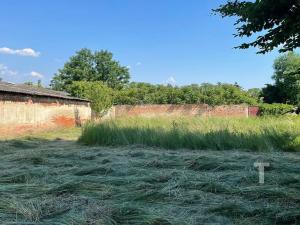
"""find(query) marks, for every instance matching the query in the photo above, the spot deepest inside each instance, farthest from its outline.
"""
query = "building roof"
(35, 91)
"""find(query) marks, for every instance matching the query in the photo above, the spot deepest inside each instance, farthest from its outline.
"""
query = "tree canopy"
(86, 65)
(97, 92)
(144, 93)
(277, 22)
(286, 87)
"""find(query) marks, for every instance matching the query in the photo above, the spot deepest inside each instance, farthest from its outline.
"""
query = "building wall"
(21, 113)
(180, 110)
(253, 111)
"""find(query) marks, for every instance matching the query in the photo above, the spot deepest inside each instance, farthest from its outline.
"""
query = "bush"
(97, 92)
(274, 109)
(219, 94)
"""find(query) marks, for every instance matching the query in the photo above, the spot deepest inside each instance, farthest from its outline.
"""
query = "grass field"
(258, 134)
(49, 178)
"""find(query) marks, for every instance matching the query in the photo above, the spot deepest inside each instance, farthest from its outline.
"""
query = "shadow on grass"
(30, 149)
(30, 142)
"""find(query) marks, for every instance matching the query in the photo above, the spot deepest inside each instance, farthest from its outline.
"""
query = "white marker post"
(261, 171)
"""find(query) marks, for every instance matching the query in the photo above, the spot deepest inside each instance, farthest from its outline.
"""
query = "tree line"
(104, 81)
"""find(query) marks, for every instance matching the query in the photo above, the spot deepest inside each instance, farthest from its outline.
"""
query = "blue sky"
(158, 40)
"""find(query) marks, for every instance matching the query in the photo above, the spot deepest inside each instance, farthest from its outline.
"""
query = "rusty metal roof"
(35, 91)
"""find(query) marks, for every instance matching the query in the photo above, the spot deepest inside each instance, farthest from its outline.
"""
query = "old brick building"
(24, 107)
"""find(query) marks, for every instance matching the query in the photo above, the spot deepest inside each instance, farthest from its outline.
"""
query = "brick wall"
(180, 110)
(253, 111)
(20, 113)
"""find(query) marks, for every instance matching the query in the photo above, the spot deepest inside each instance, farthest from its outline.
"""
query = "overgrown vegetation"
(220, 94)
(60, 182)
(97, 92)
(286, 87)
(104, 81)
(258, 134)
(275, 109)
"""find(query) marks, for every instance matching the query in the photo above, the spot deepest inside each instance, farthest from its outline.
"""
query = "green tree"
(143, 93)
(255, 93)
(286, 88)
(276, 21)
(86, 65)
(100, 95)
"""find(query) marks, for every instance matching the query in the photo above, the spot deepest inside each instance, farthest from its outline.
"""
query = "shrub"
(97, 92)
(219, 94)
(274, 109)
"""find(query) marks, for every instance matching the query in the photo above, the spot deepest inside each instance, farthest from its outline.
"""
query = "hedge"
(275, 109)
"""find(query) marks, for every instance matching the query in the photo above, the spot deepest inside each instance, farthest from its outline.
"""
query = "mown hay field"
(50, 178)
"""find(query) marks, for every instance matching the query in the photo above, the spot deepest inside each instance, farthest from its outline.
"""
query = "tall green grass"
(259, 134)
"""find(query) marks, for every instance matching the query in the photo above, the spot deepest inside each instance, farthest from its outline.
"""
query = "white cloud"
(128, 67)
(5, 71)
(138, 64)
(21, 52)
(171, 80)
(36, 74)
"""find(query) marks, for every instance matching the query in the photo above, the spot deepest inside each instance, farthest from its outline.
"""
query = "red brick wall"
(253, 110)
(154, 110)
(181, 110)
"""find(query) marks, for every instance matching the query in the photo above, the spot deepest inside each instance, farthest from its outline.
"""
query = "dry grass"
(71, 134)
(48, 181)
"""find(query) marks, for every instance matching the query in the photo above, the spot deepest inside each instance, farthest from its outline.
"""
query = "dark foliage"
(286, 87)
(278, 23)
